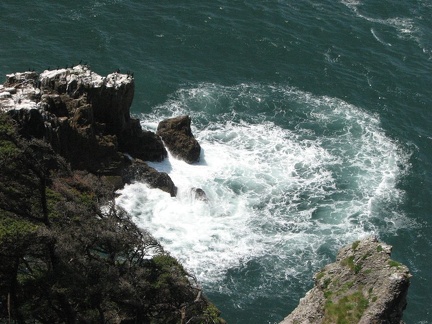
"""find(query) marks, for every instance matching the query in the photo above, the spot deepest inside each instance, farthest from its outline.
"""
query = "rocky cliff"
(68, 254)
(363, 286)
(86, 118)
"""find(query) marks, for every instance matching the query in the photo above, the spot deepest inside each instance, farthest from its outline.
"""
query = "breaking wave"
(289, 177)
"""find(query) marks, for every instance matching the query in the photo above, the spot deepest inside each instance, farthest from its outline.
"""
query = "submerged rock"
(363, 286)
(199, 194)
(177, 135)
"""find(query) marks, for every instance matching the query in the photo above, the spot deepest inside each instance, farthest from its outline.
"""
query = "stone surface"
(177, 135)
(140, 171)
(363, 286)
(141, 144)
(84, 116)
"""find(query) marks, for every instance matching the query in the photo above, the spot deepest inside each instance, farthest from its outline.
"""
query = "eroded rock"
(363, 286)
(177, 135)
(84, 116)
(141, 171)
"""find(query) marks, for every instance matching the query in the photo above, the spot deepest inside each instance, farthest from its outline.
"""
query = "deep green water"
(315, 119)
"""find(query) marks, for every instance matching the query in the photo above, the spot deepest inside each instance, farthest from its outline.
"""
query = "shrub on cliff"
(69, 255)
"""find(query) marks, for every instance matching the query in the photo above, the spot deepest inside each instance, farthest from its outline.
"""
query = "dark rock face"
(177, 135)
(144, 145)
(140, 171)
(363, 286)
(84, 116)
(30, 122)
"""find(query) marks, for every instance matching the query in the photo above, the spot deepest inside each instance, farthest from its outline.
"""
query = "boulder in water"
(177, 135)
(141, 171)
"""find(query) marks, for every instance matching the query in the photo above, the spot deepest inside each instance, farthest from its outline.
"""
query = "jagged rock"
(177, 135)
(144, 145)
(84, 116)
(110, 96)
(363, 286)
(20, 91)
(141, 171)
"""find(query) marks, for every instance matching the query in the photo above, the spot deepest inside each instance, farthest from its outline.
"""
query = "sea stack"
(177, 135)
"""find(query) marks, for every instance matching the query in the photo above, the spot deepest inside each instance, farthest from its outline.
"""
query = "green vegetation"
(348, 309)
(393, 263)
(355, 245)
(367, 255)
(327, 282)
(64, 259)
(212, 315)
(380, 248)
(356, 267)
(320, 275)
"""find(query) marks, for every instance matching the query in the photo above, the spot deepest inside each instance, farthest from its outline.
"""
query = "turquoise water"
(314, 118)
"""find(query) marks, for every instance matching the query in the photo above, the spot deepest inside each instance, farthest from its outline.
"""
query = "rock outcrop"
(363, 286)
(86, 119)
(141, 171)
(177, 135)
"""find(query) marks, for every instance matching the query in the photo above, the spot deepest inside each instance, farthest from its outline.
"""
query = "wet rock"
(141, 144)
(199, 194)
(177, 135)
(141, 171)
(363, 286)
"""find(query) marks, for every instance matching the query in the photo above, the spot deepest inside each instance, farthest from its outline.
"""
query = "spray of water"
(289, 178)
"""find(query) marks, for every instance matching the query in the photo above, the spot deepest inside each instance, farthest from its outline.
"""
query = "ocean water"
(314, 118)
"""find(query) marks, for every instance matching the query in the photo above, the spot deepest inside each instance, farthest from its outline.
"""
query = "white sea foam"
(378, 38)
(288, 177)
(405, 27)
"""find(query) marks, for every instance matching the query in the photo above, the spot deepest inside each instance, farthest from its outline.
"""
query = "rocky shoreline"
(85, 118)
(68, 253)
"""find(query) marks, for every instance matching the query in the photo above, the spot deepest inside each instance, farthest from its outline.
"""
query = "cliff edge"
(364, 285)
(68, 253)
(85, 117)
